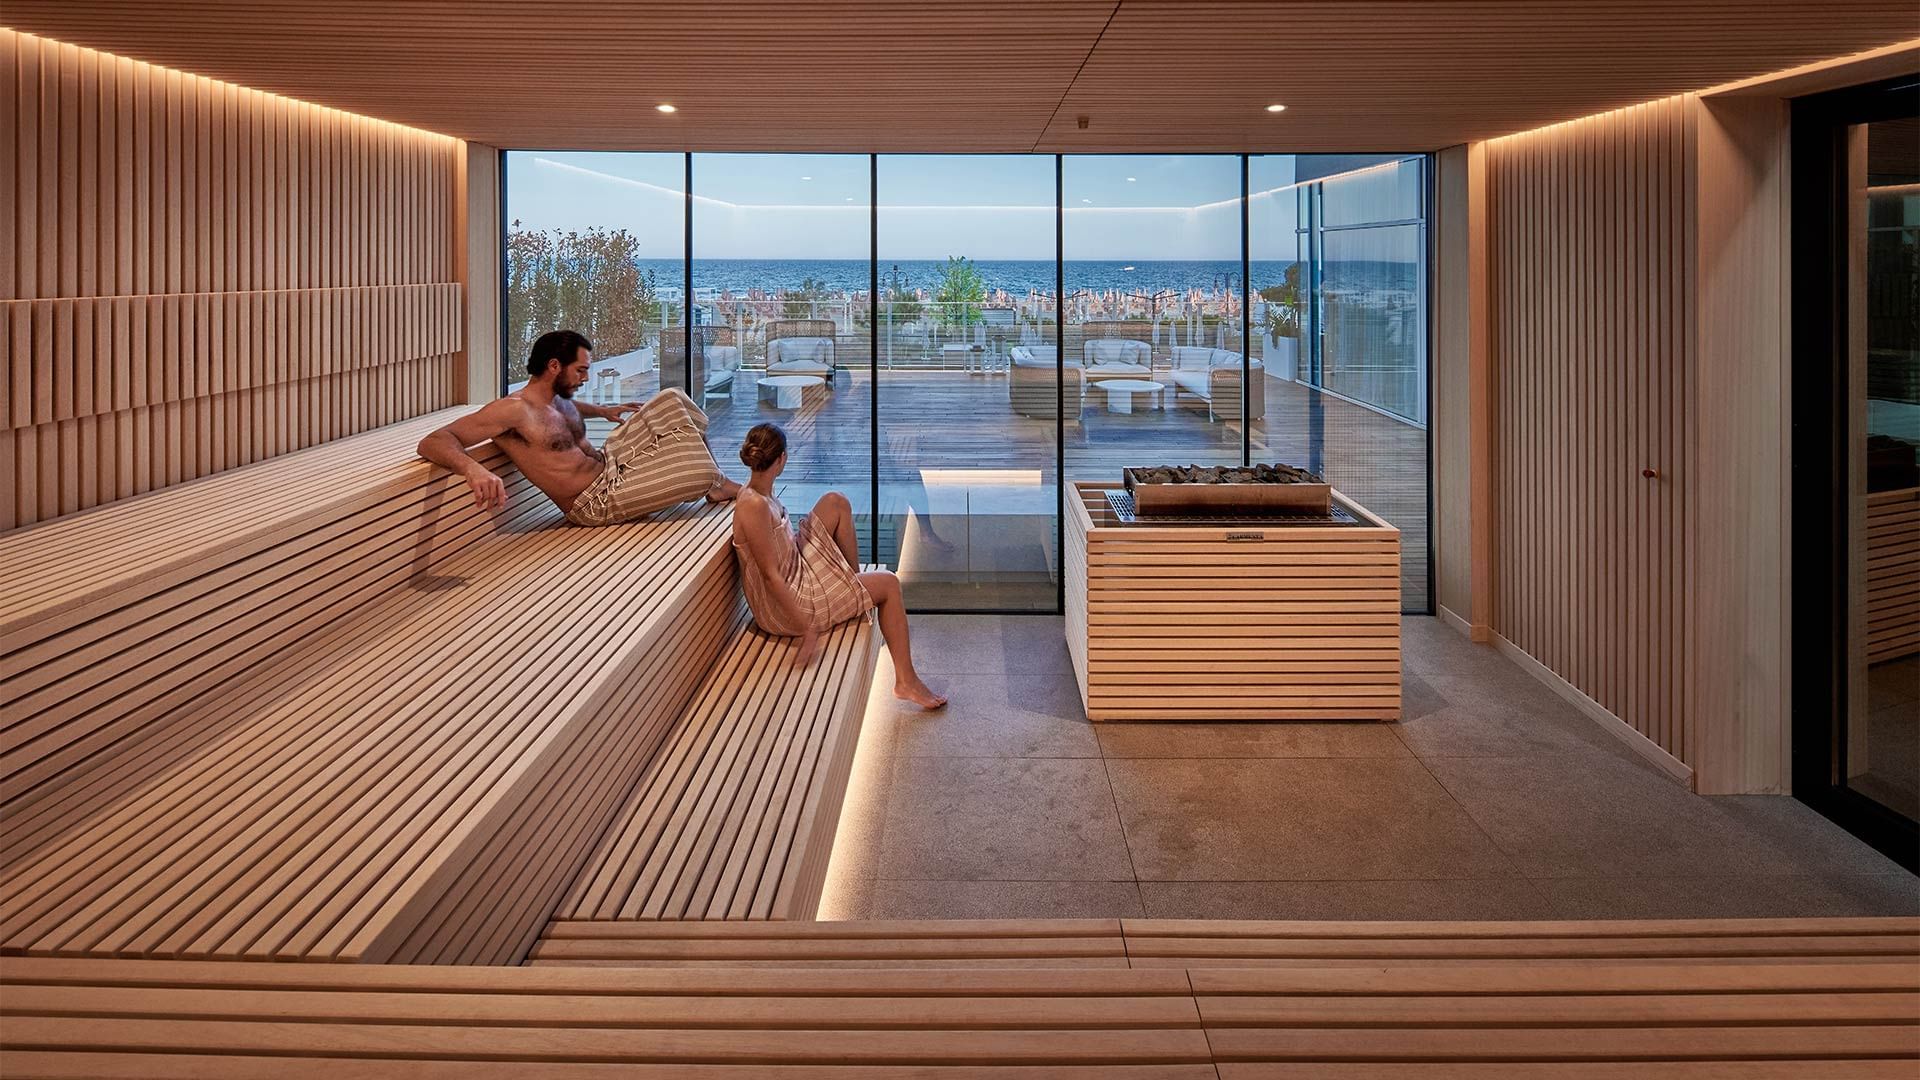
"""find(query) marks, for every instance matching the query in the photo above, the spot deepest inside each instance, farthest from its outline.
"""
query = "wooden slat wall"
(1893, 574)
(1592, 256)
(194, 276)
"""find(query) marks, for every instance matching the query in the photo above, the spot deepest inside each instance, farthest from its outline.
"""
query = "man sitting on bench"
(656, 458)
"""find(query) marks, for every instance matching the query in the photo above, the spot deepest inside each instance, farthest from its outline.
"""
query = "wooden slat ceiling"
(859, 75)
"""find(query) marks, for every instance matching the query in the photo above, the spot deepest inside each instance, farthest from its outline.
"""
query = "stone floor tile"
(1480, 898)
(1248, 740)
(993, 714)
(1006, 900)
(1595, 815)
(1003, 819)
(1277, 819)
(1731, 897)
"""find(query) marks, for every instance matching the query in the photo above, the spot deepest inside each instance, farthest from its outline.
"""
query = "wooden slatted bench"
(1193, 943)
(1787, 1013)
(1178, 943)
(107, 1018)
(322, 708)
(929, 943)
(735, 817)
(110, 616)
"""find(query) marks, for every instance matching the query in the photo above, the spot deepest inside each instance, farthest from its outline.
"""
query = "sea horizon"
(1015, 277)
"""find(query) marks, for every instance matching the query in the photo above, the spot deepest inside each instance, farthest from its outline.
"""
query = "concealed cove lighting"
(664, 107)
(1276, 108)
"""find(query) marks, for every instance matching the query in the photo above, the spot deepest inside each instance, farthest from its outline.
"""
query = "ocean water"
(1017, 278)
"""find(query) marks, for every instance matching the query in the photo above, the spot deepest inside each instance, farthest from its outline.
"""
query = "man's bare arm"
(447, 448)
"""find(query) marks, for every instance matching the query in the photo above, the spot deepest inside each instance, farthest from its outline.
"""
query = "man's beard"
(565, 389)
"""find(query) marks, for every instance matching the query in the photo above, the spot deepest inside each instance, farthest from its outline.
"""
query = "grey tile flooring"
(1249, 740)
(1493, 799)
(1003, 819)
(1280, 819)
(1731, 897)
(1591, 815)
(1428, 898)
(993, 714)
(1007, 900)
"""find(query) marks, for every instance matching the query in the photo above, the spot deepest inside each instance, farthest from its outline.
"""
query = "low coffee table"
(1120, 392)
(786, 391)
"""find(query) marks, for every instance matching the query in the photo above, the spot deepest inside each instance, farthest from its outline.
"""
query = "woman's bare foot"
(917, 692)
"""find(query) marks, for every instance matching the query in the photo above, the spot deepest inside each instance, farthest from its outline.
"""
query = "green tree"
(1282, 316)
(960, 293)
(799, 303)
(591, 282)
(901, 300)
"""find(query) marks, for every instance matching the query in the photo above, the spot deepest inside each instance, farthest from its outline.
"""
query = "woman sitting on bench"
(802, 581)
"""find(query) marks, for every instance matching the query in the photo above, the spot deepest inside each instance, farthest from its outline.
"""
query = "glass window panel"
(968, 485)
(1340, 328)
(781, 250)
(1394, 191)
(595, 243)
(1151, 315)
(1882, 762)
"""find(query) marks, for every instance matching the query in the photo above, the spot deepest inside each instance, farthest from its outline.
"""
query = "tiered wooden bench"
(1201, 943)
(1770, 1000)
(323, 708)
(926, 943)
(735, 816)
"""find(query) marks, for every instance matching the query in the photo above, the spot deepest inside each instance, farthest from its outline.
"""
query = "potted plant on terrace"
(1281, 324)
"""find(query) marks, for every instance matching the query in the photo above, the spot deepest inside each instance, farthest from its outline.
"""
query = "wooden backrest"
(792, 328)
(673, 339)
(1131, 331)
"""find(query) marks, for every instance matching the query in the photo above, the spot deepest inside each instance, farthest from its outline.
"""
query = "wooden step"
(735, 817)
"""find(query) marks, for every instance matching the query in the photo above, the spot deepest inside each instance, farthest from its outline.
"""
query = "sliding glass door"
(967, 400)
(948, 339)
(1856, 455)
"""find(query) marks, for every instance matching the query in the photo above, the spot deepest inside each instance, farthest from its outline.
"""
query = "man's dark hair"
(561, 345)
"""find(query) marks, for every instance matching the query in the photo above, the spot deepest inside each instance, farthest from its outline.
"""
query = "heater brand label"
(1246, 536)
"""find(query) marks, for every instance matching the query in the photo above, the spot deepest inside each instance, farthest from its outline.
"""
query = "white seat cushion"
(799, 367)
(817, 349)
(1193, 380)
(1037, 356)
(1116, 351)
(1191, 357)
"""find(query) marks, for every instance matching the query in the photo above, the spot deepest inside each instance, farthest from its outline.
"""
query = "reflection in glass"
(781, 303)
(1337, 250)
(595, 243)
(979, 363)
(1153, 360)
(968, 493)
(1882, 752)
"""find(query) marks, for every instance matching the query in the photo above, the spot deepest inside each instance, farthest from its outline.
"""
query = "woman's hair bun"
(763, 446)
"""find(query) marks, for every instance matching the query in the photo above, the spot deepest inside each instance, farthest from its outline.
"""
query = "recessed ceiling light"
(1276, 108)
(664, 107)
(1086, 200)
(1130, 180)
(849, 198)
(806, 178)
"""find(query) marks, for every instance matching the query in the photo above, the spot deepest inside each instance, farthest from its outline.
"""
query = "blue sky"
(815, 206)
